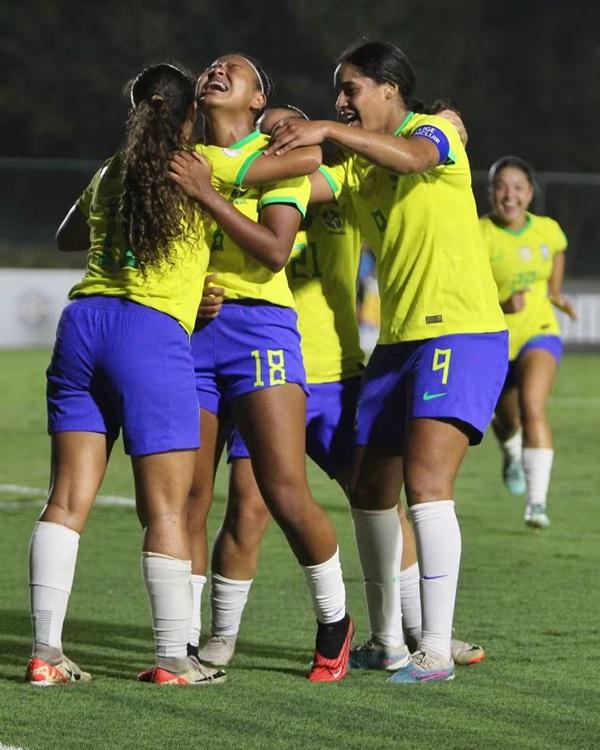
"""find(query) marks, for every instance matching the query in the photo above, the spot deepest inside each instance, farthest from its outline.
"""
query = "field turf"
(531, 598)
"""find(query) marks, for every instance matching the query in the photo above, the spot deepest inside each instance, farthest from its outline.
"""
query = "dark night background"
(525, 75)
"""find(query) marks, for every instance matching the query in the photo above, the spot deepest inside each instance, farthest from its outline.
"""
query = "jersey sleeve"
(84, 202)
(558, 239)
(441, 133)
(336, 171)
(229, 166)
(293, 192)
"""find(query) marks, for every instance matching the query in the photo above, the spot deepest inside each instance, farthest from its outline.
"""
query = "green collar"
(404, 123)
(245, 140)
(516, 232)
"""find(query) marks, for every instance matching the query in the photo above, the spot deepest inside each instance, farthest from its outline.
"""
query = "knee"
(423, 484)
(246, 524)
(533, 412)
(287, 498)
(361, 495)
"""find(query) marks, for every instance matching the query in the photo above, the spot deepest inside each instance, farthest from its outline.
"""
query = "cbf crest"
(332, 219)
(525, 253)
(545, 252)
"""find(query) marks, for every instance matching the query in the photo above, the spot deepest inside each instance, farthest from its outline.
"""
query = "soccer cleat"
(332, 670)
(371, 655)
(197, 674)
(41, 673)
(422, 668)
(464, 653)
(218, 650)
(536, 517)
(514, 476)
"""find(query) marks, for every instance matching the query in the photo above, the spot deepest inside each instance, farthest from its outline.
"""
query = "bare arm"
(297, 163)
(515, 303)
(74, 233)
(269, 242)
(555, 287)
(402, 155)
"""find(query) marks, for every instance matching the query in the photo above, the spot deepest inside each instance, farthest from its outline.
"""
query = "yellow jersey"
(433, 271)
(524, 260)
(174, 286)
(240, 275)
(322, 275)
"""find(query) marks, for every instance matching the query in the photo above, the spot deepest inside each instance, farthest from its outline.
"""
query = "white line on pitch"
(17, 489)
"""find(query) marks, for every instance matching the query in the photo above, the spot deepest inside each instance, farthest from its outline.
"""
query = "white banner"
(31, 301)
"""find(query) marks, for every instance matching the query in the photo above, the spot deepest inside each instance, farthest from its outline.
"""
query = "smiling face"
(510, 196)
(230, 82)
(362, 101)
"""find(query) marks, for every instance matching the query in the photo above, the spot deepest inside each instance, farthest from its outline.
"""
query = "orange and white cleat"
(41, 673)
(465, 653)
(197, 674)
(332, 670)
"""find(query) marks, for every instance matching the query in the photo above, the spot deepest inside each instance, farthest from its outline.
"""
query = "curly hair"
(154, 210)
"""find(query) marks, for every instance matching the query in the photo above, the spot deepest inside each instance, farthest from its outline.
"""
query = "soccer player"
(248, 359)
(122, 360)
(433, 379)
(322, 274)
(527, 257)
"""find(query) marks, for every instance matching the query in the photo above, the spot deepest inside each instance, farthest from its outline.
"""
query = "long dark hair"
(153, 208)
(386, 63)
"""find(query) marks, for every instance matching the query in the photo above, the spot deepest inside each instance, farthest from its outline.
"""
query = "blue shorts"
(451, 377)
(330, 413)
(118, 364)
(246, 348)
(552, 344)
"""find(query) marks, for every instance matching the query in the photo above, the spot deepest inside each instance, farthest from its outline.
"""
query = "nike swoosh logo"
(337, 673)
(428, 396)
(433, 578)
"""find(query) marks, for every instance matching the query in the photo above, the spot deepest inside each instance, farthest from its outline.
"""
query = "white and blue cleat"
(536, 517)
(372, 655)
(423, 668)
(514, 476)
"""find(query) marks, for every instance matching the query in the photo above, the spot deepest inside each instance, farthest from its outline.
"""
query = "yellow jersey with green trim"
(240, 275)
(433, 271)
(174, 286)
(322, 275)
(524, 260)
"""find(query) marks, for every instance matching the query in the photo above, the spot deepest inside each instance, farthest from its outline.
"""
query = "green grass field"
(531, 598)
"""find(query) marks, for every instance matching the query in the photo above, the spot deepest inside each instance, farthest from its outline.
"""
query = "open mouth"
(215, 85)
(349, 116)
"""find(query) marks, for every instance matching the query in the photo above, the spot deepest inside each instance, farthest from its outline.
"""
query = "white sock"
(410, 597)
(228, 599)
(379, 541)
(537, 465)
(52, 559)
(327, 589)
(197, 583)
(439, 545)
(167, 581)
(513, 447)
